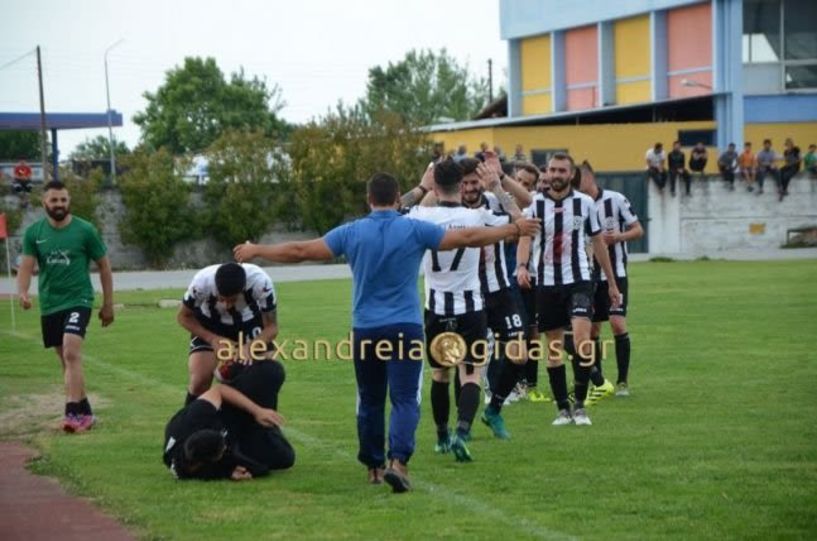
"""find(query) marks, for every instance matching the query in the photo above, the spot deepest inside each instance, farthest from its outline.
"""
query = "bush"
(243, 194)
(84, 194)
(158, 213)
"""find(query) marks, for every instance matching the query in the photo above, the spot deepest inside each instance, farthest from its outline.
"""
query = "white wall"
(714, 220)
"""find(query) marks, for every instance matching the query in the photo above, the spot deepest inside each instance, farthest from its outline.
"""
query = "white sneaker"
(580, 417)
(563, 418)
(487, 395)
(513, 396)
(622, 389)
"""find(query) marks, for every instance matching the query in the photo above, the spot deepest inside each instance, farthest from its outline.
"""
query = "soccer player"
(564, 287)
(63, 245)
(455, 282)
(384, 250)
(619, 225)
(502, 307)
(231, 431)
(224, 305)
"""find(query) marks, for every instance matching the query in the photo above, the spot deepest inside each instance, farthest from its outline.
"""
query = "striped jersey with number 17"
(559, 248)
(452, 276)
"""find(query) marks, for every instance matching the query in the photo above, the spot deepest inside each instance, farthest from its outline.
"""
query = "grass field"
(718, 440)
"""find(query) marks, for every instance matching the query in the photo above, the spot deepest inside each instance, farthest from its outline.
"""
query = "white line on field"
(435, 489)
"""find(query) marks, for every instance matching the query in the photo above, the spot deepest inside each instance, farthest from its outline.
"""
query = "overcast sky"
(317, 51)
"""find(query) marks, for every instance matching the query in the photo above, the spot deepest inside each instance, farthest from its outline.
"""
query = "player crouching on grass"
(231, 431)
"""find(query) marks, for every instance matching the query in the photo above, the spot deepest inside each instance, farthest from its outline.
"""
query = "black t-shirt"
(675, 159)
(198, 415)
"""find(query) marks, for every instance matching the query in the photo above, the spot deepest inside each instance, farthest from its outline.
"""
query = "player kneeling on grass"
(231, 431)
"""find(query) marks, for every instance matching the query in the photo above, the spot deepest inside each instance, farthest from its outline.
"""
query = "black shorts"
(70, 321)
(250, 329)
(557, 305)
(601, 300)
(472, 327)
(504, 314)
(529, 304)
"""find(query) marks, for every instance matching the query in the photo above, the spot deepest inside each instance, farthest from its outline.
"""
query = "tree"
(196, 105)
(98, 148)
(245, 170)
(84, 193)
(426, 87)
(158, 213)
(333, 157)
(19, 145)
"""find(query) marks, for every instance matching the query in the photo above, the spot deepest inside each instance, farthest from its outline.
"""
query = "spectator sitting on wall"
(462, 153)
(22, 182)
(698, 158)
(655, 166)
(519, 154)
(437, 152)
(676, 163)
(792, 160)
(727, 163)
(483, 148)
(747, 164)
(810, 160)
(765, 164)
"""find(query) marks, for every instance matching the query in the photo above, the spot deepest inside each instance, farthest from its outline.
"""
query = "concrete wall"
(187, 255)
(715, 220)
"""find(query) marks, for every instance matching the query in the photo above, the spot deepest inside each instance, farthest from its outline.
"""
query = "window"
(800, 29)
(801, 76)
(761, 31)
(690, 138)
(540, 157)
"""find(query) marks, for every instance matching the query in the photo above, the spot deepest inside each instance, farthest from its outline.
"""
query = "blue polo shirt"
(384, 250)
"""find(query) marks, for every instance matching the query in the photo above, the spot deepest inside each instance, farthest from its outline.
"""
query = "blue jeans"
(401, 376)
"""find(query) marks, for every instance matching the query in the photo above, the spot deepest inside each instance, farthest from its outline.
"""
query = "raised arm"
(416, 194)
(474, 237)
(287, 252)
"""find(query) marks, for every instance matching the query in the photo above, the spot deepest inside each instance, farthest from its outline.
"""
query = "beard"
(558, 184)
(57, 213)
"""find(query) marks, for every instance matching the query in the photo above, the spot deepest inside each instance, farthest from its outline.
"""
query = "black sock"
(440, 406)
(558, 386)
(72, 408)
(467, 408)
(582, 379)
(457, 387)
(532, 373)
(85, 407)
(623, 356)
(189, 398)
(494, 370)
(596, 375)
(507, 381)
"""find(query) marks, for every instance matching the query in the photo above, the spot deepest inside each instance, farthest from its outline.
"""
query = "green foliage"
(158, 212)
(84, 194)
(19, 145)
(332, 158)
(98, 148)
(245, 170)
(426, 87)
(14, 218)
(196, 105)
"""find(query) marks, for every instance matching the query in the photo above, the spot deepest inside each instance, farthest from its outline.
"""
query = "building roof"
(58, 121)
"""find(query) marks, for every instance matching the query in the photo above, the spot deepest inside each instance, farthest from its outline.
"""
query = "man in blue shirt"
(384, 250)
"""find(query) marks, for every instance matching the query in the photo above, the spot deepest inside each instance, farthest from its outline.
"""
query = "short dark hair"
(469, 165)
(576, 180)
(658, 145)
(769, 141)
(731, 144)
(586, 165)
(204, 446)
(448, 176)
(676, 143)
(383, 189)
(230, 279)
(564, 156)
(528, 167)
(54, 185)
(747, 144)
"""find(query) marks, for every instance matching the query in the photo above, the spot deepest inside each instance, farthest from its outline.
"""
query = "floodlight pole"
(111, 141)
(43, 134)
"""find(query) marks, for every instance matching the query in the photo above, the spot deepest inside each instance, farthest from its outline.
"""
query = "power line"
(7, 64)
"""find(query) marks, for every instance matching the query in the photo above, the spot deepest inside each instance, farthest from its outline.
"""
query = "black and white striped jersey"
(615, 214)
(493, 266)
(559, 248)
(452, 277)
(259, 296)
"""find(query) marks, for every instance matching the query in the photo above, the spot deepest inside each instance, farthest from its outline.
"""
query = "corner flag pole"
(5, 237)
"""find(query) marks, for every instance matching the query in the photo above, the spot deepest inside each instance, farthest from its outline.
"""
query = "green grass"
(719, 439)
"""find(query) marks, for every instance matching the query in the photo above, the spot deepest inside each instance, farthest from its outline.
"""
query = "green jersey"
(63, 256)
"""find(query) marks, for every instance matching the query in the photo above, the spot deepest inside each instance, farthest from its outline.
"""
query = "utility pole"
(111, 140)
(43, 134)
(490, 81)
